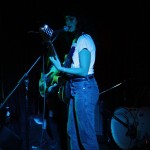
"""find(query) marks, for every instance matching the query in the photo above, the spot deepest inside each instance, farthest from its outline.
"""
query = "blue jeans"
(81, 115)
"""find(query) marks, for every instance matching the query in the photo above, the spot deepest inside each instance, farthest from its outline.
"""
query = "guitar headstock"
(46, 32)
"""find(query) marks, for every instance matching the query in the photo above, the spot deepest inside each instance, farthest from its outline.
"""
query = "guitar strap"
(68, 60)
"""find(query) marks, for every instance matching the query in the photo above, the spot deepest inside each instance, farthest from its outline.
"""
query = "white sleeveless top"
(84, 41)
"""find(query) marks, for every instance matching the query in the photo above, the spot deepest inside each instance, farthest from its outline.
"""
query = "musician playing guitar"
(53, 80)
(83, 86)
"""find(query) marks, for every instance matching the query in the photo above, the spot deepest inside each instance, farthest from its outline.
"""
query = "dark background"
(122, 38)
(122, 31)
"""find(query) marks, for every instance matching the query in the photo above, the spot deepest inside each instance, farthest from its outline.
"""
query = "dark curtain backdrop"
(122, 38)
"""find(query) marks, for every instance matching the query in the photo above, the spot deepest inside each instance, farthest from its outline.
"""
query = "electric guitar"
(45, 82)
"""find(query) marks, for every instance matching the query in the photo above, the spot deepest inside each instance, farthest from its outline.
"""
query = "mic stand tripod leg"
(27, 113)
(110, 143)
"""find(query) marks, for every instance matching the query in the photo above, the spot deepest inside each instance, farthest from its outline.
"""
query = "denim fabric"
(81, 115)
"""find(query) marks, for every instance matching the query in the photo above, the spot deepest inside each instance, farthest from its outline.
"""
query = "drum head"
(119, 131)
(129, 127)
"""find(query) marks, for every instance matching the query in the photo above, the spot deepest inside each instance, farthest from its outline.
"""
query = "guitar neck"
(52, 49)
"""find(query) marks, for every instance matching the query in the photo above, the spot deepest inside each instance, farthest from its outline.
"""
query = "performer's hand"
(56, 63)
(50, 88)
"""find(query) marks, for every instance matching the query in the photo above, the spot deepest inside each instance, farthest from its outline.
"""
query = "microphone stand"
(116, 118)
(131, 129)
(19, 82)
(112, 115)
(111, 88)
(44, 121)
(24, 77)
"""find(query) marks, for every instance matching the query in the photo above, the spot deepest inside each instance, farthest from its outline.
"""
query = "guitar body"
(64, 92)
(46, 81)
(43, 88)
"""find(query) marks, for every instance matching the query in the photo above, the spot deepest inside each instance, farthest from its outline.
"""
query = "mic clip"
(132, 132)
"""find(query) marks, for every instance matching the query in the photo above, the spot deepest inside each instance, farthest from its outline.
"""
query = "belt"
(78, 79)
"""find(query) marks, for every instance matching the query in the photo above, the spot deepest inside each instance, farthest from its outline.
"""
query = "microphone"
(64, 29)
